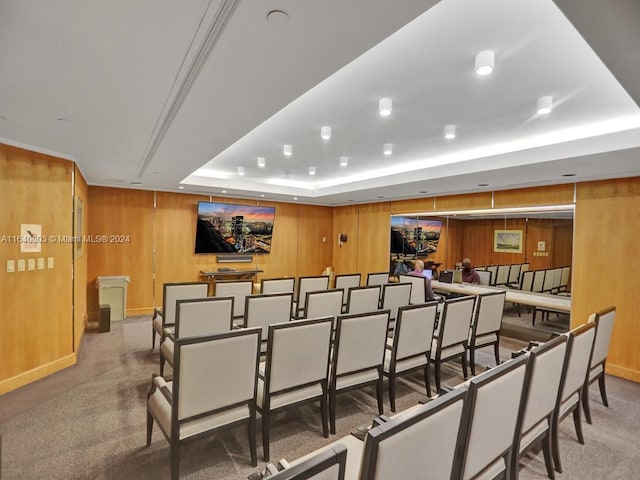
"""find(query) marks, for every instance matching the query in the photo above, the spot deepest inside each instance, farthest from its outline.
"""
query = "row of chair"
(498, 275)
(457, 435)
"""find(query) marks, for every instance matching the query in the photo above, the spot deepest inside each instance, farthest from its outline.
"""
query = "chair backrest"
(395, 295)
(201, 385)
(577, 361)
(418, 288)
(172, 292)
(360, 342)
(545, 371)
(277, 285)
(346, 281)
(455, 321)
(297, 354)
(310, 284)
(524, 267)
(564, 279)
(547, 285)
(457, 275)
(327, 464)
(203, 316)
(264, 309)
(502, 275)
(238, 290)
(492, 408)
(323, 303)
(418, 444)
(557, 278)
(485, 277)
(413, 331)
(514, 274)
(494, 273)
(363, 299)
(604, 328)
(526, 283)
(538, 280)
(488, 313)
(377, 278)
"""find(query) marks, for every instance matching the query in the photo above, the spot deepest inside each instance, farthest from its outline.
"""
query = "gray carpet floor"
(88, 422)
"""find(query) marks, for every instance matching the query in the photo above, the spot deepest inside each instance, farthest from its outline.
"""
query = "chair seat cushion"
(403, 365)
(492, 471)
(166, 350)
(486, 339)
(288, 398)
(354, 379)
(157, 324)
(529, 436)
(448, 352)
(161, 411)
(568, 403)
(596, 372)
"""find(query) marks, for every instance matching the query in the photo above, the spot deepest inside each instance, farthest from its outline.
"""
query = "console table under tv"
(228, 275)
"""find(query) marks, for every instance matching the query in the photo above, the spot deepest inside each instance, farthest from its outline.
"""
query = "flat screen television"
(227, 228)
(414, 235)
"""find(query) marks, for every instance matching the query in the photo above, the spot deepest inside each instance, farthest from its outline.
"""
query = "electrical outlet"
(22, 265)
(49, 262)
(31, 264)
(41, 263)
(11, 266)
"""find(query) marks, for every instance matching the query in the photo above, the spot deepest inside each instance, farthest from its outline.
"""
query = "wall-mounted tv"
(414, 236)
(230, 228)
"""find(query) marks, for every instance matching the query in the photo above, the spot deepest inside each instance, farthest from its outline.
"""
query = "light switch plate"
(31, 264)
(41, 263)
(22, 265)
(49, 262)
(11, 266)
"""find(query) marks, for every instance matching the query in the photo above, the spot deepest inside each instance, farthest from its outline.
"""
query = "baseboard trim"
(37, 373)
(134, 312)
(623, 372)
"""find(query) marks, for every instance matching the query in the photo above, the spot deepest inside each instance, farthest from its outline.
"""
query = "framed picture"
(507, 241)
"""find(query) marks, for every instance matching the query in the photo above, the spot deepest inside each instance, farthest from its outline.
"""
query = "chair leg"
(555, 449)
(332, 411)
(578, 423)
(427, 381)
(153, 337)
(546, 451)
(380, 395)
(392, 391)
(149, 427)
(515, 463)
(265, 434)
(496, 351)
(162, 360)
(437, 369)
(472, 361)
(175, 461)
(585, 403)
(603, 390)
(323, 415)
(252, 436)
(464, 365)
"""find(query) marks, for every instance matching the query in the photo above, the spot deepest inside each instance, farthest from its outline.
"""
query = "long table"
(228, 275)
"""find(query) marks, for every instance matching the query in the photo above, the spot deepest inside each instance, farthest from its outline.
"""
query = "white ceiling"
(150, 91)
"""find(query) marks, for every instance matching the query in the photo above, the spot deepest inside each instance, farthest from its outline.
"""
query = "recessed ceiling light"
(287, 150)
(181, 187)
(240, 170)
(63, 120)
(350, 200)
(312, 170)
(568, 174)
(344, 161)
(544, 105)
(423, 191)
(262, 194)
(380, 196)
(295, 198)
(136, 183)
(262, 162)
(485, 62)
(385, 106)
(449, 132)
(224, 191)
(387, 149)
(483, 184)
(325, 133)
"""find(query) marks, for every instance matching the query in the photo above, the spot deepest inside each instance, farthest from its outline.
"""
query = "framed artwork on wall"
(507, 241)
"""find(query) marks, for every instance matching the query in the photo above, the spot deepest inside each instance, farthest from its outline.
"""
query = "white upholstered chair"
(492, 407)
(514, 274)
(323, 303)
(485, 277)
(418, 444)
(277, 285)
(574, 375)
(452, 334)
(194, 317)
(202, 398)
(494, 273)
(394, 296)
(328, 464)
(363, 299)
(239, 290)
(379, 278)
(418, 288)
(604, 321)
(171, 292)
(358, 356)
(346, 281)
(410, 347)
(545, 369)
(485, 328)
(295, 371)
(266, 309)
(502, 274)
(308, 284)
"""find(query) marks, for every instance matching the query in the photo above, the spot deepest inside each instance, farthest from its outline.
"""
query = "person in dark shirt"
(469, 275)
(419, 272)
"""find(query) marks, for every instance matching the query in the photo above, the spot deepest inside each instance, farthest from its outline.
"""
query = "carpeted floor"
(88, 422)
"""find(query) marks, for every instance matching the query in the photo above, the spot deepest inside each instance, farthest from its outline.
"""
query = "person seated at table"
(418, 271)
(469, 275)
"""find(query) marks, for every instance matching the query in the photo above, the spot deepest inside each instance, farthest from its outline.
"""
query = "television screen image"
(231, 228)
(414, 235)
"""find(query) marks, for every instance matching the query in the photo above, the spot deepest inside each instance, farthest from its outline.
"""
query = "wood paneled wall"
(607, 248)
(81, 263)
(36, 325)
